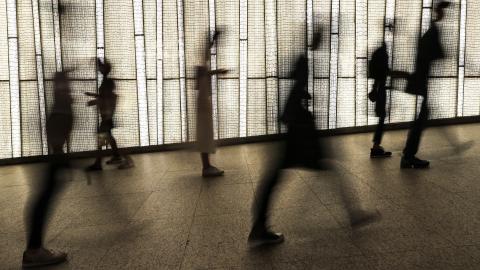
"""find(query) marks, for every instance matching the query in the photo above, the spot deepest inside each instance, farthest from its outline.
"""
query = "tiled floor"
(162, 215)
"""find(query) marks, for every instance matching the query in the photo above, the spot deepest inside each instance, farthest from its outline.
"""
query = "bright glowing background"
(154, 46)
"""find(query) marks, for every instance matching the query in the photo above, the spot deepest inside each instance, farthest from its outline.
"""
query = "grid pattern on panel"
(83, 136)
(48, 38)
(26, 43)
(404, 51)
(119, 38)
(155, 45)
(449, 33)
(256, 103)
(228, 57)
(152, 111)
(3, 44)
(472, 52)
(291, 23)
(31, 127)
(471, 105)
(78, 38)
(126, 129)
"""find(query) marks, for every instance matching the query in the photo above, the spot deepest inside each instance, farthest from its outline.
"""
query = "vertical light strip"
(461, 57)
(271, 65)
(213, 65)
(57, 35)
(181, 63)
(141, 73)
(388, 38)
(40, 76)
(243, 66)
(361, 55)
(426, 22)
(310, 29)
(14, 78)
(100, 32)
(332, 107)
(160, 136)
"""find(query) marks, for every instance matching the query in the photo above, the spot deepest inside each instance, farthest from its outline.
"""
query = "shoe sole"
(414, 166)
(35, 265)
(381, 156)
(212, 175)
(260, 243)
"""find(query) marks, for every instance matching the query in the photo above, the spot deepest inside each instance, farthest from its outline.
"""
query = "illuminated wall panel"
(155, 46)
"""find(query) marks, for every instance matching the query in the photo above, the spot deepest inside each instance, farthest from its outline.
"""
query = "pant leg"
(415, 133)
(113, 144)
(265, 192)
(377, 138)
(41, 205)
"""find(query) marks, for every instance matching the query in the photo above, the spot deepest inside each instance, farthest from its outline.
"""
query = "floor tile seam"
(187, 241)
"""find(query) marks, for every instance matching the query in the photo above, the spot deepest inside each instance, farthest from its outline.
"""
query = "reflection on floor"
(162, 215)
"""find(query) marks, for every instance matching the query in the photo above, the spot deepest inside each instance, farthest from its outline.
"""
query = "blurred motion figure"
(59, 127)
(379, 70)
(106, 102)
(302, 149)
(205, 142)
(429, 50)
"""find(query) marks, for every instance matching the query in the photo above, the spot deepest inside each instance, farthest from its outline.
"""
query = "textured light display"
(154, 46)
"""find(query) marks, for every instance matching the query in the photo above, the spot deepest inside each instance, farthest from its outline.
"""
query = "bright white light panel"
(155, 45)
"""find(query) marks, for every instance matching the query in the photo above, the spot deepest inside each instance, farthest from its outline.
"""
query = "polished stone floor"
(162, 215)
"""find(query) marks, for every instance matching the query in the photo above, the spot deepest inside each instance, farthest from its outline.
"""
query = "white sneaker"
(212, 172)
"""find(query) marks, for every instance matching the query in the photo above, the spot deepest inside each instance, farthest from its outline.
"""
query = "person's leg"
(208, 170)
(377, 138)
(413, 141)
(205, 160)
(97, 164)
(260, 234)
(35, 254)
(116, 157)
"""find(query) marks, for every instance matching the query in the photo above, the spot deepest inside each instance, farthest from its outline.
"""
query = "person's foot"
(363, 218)
(379, 152)
(263, 236)
(94, 167)
(212, 172)
(414, 163)
(127, 164)
(42, 257)
(114, 160)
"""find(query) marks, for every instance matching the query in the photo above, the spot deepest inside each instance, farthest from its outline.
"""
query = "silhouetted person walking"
(429, 50)
(379, 71)
(106, 102)
(59, 127)
(205, 142)
(302, 149)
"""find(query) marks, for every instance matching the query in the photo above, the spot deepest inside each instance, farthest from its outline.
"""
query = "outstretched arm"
(399, 74)
(90, 94)
(218, 71)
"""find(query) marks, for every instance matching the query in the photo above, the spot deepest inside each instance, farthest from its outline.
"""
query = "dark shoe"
(363, 218)
(379, 153)
(114, 160)
(263, 236)
(42, 257)
(414, 163)
(212, 172)
(93, 168)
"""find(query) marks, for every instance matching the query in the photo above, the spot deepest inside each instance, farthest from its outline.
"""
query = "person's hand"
(223, 70)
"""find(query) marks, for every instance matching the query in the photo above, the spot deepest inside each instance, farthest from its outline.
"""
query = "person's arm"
(218, 71)
(91, 94)
(399, 74)
(92, 102)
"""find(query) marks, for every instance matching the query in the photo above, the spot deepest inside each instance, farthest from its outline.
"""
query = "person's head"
(440, 9)
(104, 67)
(60, 80)
(317, 39)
